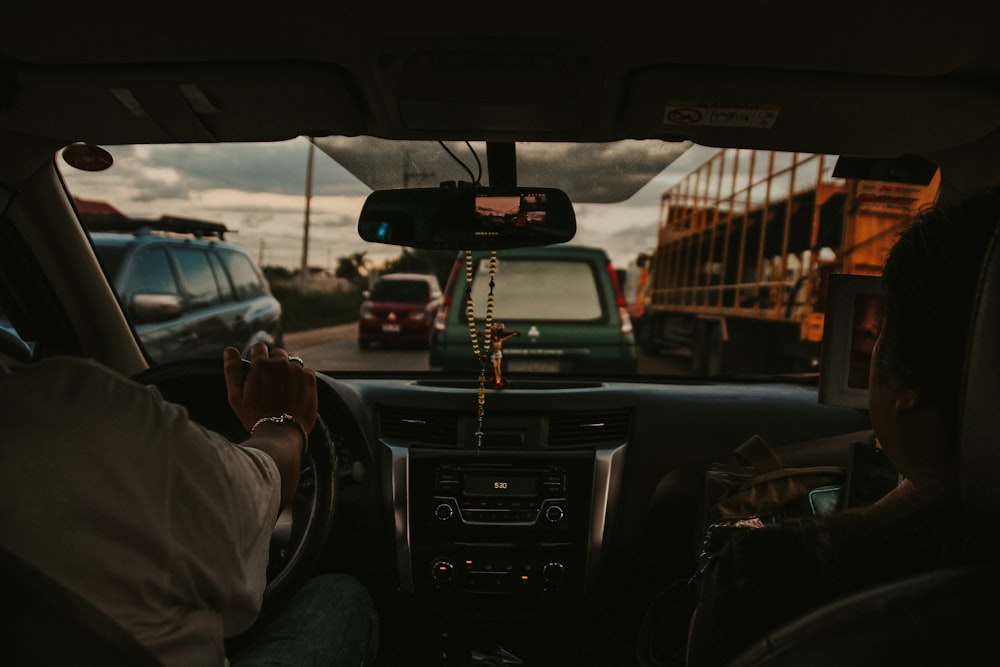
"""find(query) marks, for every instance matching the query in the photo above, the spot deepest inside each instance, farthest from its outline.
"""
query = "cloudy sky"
(258, 190)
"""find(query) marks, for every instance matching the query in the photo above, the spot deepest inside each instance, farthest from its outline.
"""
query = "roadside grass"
(312, 307)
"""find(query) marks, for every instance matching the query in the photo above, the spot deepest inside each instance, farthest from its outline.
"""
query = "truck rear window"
(542, 289)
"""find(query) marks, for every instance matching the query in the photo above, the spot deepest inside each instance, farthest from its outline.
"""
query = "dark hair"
(930, 279)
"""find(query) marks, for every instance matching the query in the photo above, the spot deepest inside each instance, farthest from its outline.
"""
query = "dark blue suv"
(187, 292)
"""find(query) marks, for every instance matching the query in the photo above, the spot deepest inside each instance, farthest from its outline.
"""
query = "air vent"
(414, 426)
(568, 430)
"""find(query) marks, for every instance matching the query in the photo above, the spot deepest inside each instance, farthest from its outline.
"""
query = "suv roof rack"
(103, 222)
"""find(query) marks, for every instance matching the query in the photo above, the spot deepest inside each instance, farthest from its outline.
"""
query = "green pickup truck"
(563, 301)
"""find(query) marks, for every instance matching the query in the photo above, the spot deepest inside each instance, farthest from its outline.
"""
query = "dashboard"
(554, 504)
(548, 527)
(576, 504)
(551, 524)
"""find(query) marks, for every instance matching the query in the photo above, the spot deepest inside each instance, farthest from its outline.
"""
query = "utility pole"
(304, 268)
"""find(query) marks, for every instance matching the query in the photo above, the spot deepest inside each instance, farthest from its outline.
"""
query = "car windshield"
(703, 261)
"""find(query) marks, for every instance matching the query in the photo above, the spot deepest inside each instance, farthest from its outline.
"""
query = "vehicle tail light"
(442, 314)
(626, 321)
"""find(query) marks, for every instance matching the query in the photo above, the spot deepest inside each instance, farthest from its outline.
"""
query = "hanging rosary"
(474, 334)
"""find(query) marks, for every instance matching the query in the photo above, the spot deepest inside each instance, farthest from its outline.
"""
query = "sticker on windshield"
(717, 114)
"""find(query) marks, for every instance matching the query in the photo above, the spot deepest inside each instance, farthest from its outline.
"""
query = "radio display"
(501, 484)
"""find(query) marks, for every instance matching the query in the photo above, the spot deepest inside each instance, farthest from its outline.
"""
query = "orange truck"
(744, 245)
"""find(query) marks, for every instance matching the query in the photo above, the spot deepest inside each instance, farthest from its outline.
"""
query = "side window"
(196, 277)
(221, 279)
(150, 273)
(246, 280)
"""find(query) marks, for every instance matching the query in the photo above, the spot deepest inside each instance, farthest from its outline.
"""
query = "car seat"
(945, 617)
(47, 625)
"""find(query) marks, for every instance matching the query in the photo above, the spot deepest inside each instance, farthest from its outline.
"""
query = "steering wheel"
(301, 530)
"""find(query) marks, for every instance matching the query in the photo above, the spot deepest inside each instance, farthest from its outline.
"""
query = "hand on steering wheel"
(274, 385)
(201, 386)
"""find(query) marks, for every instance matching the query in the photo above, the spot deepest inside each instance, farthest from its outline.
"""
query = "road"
(336, 348)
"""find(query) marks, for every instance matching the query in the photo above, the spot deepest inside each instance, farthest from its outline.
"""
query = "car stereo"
(523, 530)
(499, 522)
(477, 495)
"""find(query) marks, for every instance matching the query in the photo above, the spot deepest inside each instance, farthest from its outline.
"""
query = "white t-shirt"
(113, 492)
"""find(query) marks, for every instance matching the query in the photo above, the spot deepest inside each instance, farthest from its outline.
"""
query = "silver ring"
(296, 359)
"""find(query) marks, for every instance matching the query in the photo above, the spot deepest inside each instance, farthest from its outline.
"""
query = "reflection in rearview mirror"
(468, 218)
(867, 321)
(852, 320)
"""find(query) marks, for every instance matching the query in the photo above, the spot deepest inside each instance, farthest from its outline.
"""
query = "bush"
(310, 307)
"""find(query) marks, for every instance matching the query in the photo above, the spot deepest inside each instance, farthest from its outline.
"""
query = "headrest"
(979, 425)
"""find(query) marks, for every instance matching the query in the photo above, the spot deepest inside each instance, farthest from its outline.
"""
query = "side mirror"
(151, 308)
(468, 217)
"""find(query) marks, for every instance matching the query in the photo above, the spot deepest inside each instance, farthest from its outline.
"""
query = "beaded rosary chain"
(470, 315)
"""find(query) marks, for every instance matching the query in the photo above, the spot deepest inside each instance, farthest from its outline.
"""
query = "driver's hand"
(273, 386)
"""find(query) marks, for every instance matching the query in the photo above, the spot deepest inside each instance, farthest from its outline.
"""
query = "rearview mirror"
(468, 217)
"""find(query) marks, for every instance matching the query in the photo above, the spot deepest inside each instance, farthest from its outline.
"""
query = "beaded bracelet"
(284, 418)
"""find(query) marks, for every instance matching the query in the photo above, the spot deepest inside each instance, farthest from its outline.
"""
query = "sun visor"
(509, 90)
(809, 111)
(178, 104)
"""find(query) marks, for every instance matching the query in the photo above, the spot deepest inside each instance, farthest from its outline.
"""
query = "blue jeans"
(331, 621)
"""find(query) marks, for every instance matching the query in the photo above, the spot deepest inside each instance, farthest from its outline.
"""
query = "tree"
(273, 273)
(352, 268)
(412, 260)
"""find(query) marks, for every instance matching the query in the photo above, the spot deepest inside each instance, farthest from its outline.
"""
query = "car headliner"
(852, 78)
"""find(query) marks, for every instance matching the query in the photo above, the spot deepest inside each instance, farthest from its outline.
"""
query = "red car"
(400, 308)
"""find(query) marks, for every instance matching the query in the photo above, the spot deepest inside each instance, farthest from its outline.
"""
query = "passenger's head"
(930, 279)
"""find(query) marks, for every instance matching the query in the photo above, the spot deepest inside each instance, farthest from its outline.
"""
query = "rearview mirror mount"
(468, 217)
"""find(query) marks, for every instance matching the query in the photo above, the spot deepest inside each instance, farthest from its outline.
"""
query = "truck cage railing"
(774, 299)
(724, 209)
(744, 247)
